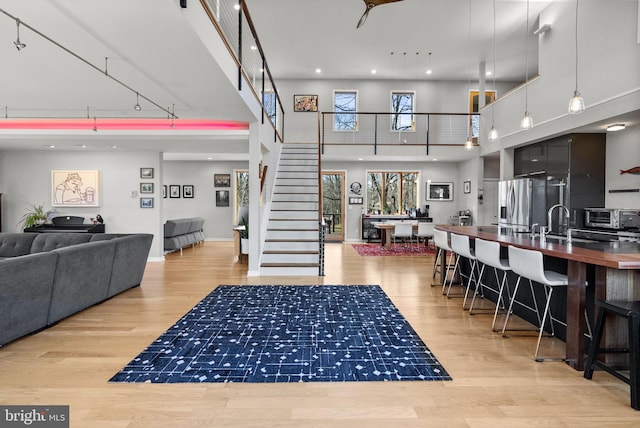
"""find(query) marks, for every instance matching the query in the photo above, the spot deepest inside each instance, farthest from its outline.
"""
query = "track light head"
(18, 44)
(137, 107)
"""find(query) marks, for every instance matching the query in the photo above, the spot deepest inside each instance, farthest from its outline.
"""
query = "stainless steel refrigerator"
(521, 203)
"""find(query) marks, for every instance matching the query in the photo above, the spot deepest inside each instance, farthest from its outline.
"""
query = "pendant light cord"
(495, 92)
(576, 38)
(526, 62)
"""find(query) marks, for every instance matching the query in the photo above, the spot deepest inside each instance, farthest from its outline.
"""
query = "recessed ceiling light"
(209, 158)
(429, 71)
(616, 127)
(114, 147)
(51, 146)
(318, 70)
(236, 6)
(488, 73)
(360, 159)
(374, 71)
(435, 160)
(254, 48)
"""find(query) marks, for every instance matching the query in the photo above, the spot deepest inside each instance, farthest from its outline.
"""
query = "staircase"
(292, 241)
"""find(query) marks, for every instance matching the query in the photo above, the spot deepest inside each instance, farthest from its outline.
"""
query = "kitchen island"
(617, 276)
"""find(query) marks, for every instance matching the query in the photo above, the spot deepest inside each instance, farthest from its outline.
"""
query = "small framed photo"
(439, 191)
(174, 191)
(355, 200)
(146, 202)
(146, 187)
(307, 103)
(467, 187)
(221, 180)
(146, 172)
(187, 191)
(164, 190)
(222, 198)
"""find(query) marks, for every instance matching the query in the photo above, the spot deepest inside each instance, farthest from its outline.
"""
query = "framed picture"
(174, 191)
(467, 187)
(355, 200)
(146, 187)
(164, 190)
(222, 198)
(439, 191)
(146, 202)
(146, 172)
(187, 191)
(73, 188)
(221, 180)
(305, 103)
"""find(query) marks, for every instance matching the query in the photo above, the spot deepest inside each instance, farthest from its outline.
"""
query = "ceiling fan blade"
(363, 18)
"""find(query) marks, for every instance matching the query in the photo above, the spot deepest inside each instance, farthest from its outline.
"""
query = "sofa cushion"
(15, 244)
(129, 262)
(82, 277)
(26, 284)
(51, 241)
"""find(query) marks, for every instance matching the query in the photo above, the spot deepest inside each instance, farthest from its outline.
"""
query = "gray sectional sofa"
(182, 232)
(49, 276)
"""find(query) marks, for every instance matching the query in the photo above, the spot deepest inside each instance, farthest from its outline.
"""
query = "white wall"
(218, 220)
(25, 178)
(373, 96)
(623, 153)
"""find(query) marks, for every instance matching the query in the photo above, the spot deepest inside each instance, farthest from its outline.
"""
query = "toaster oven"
(612, 218)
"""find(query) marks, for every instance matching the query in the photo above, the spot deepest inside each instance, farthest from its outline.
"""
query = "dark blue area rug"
(278, 333)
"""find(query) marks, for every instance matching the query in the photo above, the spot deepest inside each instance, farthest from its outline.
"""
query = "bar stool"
(630, 311)
(461, 246)
(488, 253)
(441, 241)
(529, 264)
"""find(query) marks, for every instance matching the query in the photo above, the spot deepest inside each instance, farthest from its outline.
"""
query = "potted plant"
(244, 236)
(35, 216)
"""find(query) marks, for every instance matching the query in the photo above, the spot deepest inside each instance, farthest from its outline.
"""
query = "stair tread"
(291, 240)
(292, 252)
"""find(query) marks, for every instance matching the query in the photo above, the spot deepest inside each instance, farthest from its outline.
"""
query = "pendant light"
(494, 136)
(527, 120)
(576, 104)
(468, 145)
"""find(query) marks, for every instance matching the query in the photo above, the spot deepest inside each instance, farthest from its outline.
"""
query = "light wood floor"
(496, 382)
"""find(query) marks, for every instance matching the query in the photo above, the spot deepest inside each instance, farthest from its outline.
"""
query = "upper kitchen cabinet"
(574, 168)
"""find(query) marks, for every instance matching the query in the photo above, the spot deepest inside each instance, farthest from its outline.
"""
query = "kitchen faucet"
(567, 215)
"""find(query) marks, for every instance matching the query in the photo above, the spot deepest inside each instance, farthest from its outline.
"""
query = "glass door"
(333, 205)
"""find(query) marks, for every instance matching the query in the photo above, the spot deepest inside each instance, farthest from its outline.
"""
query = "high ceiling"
(151, 47)
(299, 36)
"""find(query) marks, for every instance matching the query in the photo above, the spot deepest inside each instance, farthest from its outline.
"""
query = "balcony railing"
(233, 22)
(397, 129)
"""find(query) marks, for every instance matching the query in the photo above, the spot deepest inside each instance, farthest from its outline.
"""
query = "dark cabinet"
(368, 231)
(573, 167)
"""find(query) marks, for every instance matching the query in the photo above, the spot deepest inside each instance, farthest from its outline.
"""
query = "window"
(402, 106)
(474, 107)
(242, 193)
(392, 192)
(345, 105)
(269, 101)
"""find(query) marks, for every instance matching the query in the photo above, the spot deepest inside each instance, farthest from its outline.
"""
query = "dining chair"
(425, 231)
(403, 231)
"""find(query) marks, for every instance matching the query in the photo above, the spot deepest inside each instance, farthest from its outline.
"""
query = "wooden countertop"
(612, 254)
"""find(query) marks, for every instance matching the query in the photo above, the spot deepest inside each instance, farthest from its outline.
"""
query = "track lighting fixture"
(576, 104)
(18, 43)
(137, 106)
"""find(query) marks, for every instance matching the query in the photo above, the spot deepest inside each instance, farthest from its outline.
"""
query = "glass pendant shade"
(576, 104)
(493, 134)
(527, 121)
(468, 145)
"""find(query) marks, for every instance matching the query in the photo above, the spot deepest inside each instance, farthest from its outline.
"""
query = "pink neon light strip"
(124, 124)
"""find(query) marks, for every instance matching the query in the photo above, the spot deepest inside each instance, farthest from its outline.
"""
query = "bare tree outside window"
(242, 189)
(269, 102)
(391, 193)
(345, 105)
(402, 111)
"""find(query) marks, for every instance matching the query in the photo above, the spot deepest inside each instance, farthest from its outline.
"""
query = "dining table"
(386, 230)
(617, 276)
